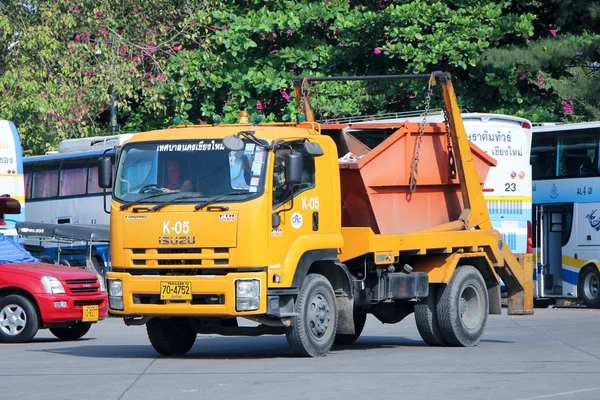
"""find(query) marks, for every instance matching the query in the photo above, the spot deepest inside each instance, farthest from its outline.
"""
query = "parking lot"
(554, 354)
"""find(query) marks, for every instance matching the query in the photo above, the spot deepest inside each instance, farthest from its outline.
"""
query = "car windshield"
(201, 169)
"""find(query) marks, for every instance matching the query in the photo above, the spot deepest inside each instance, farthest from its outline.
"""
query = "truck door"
(297, 207)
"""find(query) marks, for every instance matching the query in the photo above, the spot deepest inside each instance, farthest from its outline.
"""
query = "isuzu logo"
(177, 240)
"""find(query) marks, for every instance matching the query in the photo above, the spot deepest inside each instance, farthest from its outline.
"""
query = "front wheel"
(78, 330)
(589, 286)
(463, 307)
(313, 331)
(170, 336)
(18, 319)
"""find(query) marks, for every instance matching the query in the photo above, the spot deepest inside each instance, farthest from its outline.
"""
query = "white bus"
(566, 199)
(62, 188)
(11, 176)
(507, 189)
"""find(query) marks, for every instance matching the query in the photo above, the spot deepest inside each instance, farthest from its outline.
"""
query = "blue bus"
(566, 214)
(11, 176)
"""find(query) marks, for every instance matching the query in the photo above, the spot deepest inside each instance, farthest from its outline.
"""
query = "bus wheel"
(463, 307)
(589, 286)
(427, 320)
(170, 336)
(313, 330)
(359, 324)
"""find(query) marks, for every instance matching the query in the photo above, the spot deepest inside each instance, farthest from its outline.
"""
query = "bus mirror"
(233, 143)
(105, 173)
(8, 205)
(293, 169)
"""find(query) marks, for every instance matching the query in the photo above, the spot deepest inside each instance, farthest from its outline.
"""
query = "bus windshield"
(200, 168)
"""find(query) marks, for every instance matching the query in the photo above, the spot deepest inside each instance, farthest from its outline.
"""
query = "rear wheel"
(427, 320)
(170, 336)
(589, 286)
(78, 330)
(18, 319)
(463, 307)
(359, 324)
(313, 331)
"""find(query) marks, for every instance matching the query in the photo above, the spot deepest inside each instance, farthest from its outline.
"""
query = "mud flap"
(345, 306)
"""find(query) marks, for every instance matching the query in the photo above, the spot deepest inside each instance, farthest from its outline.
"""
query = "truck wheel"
(359, 323)
(78, 330)
(170, 336)
(463, 307)
(18, 319)
(589, 286)
(427, 320)
(313, 331)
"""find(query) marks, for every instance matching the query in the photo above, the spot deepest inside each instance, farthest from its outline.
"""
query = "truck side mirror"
(105, 173)
(293, 169)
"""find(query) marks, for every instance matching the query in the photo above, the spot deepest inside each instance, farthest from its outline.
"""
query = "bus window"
(543, 156)
(28, 183)
(45, 181)
(567, 222)
(73, 178)
(93, 176)
(577, 155)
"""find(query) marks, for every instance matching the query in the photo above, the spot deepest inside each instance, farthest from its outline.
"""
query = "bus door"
(548, 243)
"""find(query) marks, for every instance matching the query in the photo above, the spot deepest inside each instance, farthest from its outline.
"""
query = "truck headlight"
(247, 294)
(115, 294)
(52, 285)
(115, 287)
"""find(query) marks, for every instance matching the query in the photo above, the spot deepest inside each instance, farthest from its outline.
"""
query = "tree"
(60, 60)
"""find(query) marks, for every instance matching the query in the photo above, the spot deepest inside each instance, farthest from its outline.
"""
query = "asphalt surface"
(554, 354)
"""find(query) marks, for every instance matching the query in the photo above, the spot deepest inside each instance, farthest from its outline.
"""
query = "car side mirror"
(105, 173)
(293, 169)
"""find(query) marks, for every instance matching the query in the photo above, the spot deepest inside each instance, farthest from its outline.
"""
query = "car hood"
(41, 269)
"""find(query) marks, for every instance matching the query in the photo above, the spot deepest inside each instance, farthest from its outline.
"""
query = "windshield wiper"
(217, 198)
(166, 203)
(139, 201)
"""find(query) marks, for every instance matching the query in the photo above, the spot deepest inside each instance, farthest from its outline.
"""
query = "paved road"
(554, 354)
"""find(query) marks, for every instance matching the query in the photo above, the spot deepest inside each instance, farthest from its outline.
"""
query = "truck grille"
(198, 257)
(78, 286)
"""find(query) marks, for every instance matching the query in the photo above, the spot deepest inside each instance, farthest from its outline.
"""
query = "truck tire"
(463, 307)
(359, 324)
(78, 330)
(19, 320)
(313, 331)
(427, 320)
(170, 336)
(589, 286)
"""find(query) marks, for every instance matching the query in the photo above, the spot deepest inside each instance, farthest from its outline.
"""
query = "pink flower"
(377, 50)
(284, 94)
(567, 106)
(71, 120)
(4, 92)
(259, 105)
(161, 77)
(522, 77)
(340, 44)
(90, 73)
(100, 14)
(553, 31)
(78, 37)
(540, 82)
(104, 31)
(122, 51)
(273, 51)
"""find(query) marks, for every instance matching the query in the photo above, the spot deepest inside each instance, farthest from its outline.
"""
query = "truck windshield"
(201, 168)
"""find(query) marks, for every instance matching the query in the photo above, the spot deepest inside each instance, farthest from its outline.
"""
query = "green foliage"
(197, 60)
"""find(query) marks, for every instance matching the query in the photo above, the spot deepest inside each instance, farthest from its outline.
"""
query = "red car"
(35, 295)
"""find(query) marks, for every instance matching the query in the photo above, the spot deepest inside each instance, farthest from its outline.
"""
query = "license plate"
(176, 290)
(90, 313)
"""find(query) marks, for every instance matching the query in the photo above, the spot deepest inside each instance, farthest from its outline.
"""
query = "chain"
(414, 169)
(451, 159)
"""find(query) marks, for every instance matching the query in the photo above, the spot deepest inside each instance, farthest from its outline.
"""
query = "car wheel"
(78, 330)
(18, 319)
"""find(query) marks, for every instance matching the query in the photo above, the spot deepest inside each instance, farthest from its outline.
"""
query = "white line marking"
(547, 396)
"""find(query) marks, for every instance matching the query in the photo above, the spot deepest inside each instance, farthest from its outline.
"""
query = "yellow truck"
(303, 229)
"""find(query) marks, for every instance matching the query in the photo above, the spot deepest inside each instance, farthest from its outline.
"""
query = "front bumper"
(213, 295)
(74, 310)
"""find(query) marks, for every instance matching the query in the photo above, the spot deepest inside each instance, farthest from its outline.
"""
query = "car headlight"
(247, 294)
(52, 285)
(115, 287)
